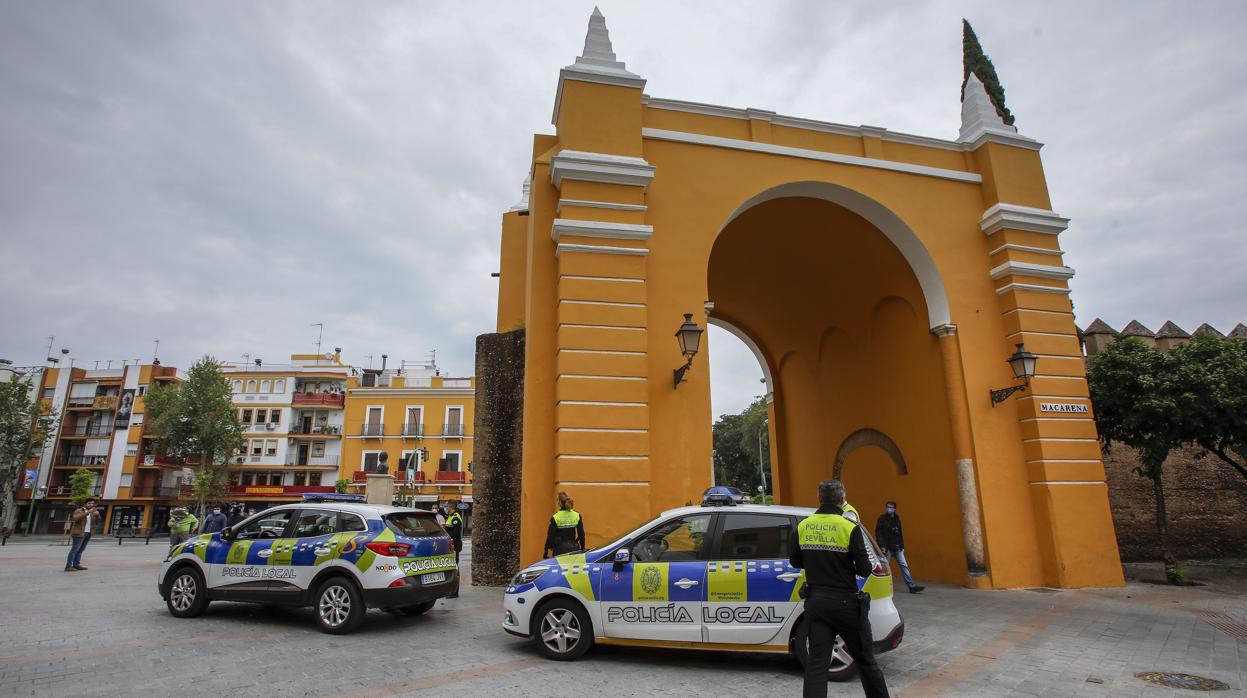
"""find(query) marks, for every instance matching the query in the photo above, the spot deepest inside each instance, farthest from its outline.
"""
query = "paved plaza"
(106, 632)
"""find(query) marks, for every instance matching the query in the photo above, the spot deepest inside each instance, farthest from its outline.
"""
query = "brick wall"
(1205, 498)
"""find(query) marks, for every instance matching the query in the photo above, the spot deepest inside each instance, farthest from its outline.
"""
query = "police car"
(695, 577)
(340, 557)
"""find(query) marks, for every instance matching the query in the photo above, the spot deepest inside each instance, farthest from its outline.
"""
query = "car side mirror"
(227, 534)
(622, 557)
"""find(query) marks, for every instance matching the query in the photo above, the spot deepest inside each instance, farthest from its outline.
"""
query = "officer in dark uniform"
(454, 526)
(566, 532)
(833, 552)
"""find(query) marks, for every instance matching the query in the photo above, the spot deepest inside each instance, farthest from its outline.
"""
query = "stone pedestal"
(379, 489)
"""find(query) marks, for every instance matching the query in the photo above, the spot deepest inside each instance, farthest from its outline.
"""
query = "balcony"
(66, 490)
(451, 477)
(157, 491)
(372, 430)
(88, 430)
(278, 490)
(316, 430)
(452, 430)
(262, 426)
(162, 461)
(80, 402)
(319, 400)
(314, 462)
(104, 402)
(416, 430)
(78, 461)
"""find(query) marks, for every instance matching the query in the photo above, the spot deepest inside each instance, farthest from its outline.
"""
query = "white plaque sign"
(1074, 407)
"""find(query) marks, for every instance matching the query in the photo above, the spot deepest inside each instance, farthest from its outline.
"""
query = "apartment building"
(100, 427)
(292, 417)
(422, 421)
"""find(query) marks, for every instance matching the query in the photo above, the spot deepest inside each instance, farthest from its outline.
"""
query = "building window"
(257, 447)
(265, 385)
(237, 385)
(248, 477)
(251, 386)
(300, 478)
(274, 416)
(49, 393)
(370, 460)
(279, 385)
(246, 416)
(270, 447)
(318, 449)
(450, 461)
(132, 449)
(313, 478)
(141, 391)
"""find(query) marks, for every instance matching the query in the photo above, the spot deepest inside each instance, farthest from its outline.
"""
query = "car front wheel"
(339, 606)
(187, 596)
(842, 667)
(563, 630)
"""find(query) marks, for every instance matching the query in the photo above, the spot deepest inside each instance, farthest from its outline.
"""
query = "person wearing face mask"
(888, 533)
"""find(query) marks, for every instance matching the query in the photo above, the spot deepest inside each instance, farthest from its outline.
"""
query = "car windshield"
(413, 525)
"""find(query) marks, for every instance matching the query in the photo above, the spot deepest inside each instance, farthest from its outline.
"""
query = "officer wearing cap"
(833, 552)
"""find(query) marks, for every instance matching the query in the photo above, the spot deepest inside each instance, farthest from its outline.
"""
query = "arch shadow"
(869, 437)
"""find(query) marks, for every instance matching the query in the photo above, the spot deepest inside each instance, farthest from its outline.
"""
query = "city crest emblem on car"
(651, 579)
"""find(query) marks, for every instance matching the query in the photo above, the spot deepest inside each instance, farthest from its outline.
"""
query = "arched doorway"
(841, 319)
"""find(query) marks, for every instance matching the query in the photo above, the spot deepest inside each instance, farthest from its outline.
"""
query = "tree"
(197, 420)
(25, 426)
(81, 486)
(973, 60)
(341, 485)
(1211, 393)
(1132, 391)
(736, 439)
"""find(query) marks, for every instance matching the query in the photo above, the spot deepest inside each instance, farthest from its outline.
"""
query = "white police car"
(696, 577)
(338, 556)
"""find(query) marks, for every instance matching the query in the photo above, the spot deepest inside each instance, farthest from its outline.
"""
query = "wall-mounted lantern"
(1023, 364)
(689, 337)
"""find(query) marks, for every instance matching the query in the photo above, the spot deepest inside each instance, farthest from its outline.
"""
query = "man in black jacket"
(888, 533)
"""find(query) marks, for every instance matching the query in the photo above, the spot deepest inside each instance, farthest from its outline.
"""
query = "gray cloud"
(222, 175)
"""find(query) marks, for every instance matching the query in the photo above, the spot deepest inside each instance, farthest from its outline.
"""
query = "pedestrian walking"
(215, 521)
(566, 532)
(892, 540)
(833, 552)
(454, 526)
(181, 524)
(82, 523)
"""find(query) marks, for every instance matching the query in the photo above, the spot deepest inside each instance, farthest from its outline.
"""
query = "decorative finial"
(523, 204)
(598, 55)
(978, 114)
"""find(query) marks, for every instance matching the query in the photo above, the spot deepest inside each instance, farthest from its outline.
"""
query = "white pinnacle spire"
(598, 55)
(978, 114)
(523, 204)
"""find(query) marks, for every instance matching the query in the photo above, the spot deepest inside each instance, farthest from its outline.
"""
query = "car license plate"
(433, 578)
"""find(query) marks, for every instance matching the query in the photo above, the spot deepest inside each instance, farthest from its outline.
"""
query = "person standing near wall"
(84, 521)
(566, 533)
(892, 540)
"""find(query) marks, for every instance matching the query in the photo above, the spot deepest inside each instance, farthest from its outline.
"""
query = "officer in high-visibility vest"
(850, 513)
(566, 533)
(833, 552)
(454, 526)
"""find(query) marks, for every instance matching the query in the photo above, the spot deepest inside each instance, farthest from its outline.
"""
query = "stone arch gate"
(882, 279)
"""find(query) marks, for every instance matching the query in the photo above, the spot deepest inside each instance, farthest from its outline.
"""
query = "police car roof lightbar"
(332, 497)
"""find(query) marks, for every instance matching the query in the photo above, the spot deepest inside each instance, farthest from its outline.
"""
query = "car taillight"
(402, 582)
(389, 549)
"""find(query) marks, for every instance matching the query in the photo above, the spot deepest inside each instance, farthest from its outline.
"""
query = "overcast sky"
(222, 175)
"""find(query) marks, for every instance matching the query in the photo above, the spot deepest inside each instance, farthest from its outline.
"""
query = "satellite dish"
(328, 355)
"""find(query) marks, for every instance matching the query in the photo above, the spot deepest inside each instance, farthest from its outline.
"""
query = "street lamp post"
(1023, 364)
(761, 469)
(689, 337)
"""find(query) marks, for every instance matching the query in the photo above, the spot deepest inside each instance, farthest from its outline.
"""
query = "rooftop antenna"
(319, 334)
(110, 364)
(97, 365)
(49, 354)
(246, 359)
(369, 360)
(156, 353)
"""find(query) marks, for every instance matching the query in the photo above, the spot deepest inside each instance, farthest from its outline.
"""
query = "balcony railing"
(104, 402)
(66, 490)
(451, 477)
(372, 429)
(326, 399)
(162, 461)
(83, 461)
(81, 401)
(410, 429)
(322, 429)
(278, 490)
(452, 430)
(313, 461)
(89, 430)
(263, 426)
(158, 491)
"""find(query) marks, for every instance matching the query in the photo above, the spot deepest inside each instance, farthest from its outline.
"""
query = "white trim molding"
(753, 347)
(1033, 220)
(1041, 271)
(584, 166)
(601, 249)
(609, 205)
(1026, 248)
(1030, 287)
(823, 156)
(600, 229)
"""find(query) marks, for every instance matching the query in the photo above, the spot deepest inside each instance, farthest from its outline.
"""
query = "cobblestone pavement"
(106, 632)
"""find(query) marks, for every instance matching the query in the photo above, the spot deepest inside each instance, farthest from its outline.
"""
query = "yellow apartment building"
(422, 421)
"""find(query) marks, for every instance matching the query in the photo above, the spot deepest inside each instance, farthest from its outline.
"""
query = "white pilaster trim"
(600, 229)
(584, 166)
(600, 249)
(610, 205)
(1068, 482)
(584, 457)
(1041, 271)
(602, 378)
(805, 153)
(1034, 220)
(1030, 287)
(624, 279)
(1026, 248)
(946, 330)
(612, 304)
(603, 484)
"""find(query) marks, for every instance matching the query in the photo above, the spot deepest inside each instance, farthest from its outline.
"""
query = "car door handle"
(788, 576)
(686, 583)
(268, 552)
(322, 551)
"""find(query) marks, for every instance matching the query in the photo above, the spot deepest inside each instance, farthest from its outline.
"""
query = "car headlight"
(526, 576)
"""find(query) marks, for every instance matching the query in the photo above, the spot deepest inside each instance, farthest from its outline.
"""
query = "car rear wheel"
(842, 667)
(563, 631)
(187, 596)
(418, 609)
(339, 606)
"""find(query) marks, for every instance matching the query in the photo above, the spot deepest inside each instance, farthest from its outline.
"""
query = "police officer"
(833, 552)
(566, 533)
(850, 513)
(454, 526)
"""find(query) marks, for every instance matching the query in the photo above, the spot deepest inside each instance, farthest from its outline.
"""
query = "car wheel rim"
(560, 630)
(335, 606)
(183, 592)
(840, 657)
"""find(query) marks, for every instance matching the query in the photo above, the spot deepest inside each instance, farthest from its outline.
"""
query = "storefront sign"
(264, 490)
(1074, 407)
